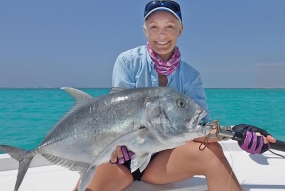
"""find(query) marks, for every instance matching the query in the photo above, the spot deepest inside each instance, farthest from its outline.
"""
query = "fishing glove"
(251, 142)
(127, 155)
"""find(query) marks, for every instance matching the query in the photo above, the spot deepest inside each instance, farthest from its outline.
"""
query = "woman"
(159, 64)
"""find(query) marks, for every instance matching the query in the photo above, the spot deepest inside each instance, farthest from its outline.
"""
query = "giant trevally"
(145, 120)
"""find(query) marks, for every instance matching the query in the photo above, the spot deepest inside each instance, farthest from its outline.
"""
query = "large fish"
(146, 120)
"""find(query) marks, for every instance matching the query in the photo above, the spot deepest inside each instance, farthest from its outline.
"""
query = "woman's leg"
(186, 161)
(110, 177)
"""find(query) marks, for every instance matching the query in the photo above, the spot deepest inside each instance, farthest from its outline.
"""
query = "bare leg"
(110, 177)
(186, 161)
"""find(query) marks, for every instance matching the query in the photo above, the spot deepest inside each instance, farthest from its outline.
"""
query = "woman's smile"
(162, 43)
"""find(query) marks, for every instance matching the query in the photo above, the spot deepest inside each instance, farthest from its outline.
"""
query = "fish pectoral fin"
(140, 161)
(145, 163)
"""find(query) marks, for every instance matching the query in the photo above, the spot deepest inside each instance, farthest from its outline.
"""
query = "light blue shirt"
(134, 68)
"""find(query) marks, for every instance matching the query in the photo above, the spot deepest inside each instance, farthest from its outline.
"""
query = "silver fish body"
(146, 120)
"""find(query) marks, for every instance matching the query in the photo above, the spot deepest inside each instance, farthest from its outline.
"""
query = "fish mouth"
(193, 130)
(193, 122)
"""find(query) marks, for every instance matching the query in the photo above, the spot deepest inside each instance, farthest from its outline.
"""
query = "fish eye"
(181, 103)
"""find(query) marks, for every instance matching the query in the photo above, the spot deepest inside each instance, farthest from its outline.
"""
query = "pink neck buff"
(165, 67)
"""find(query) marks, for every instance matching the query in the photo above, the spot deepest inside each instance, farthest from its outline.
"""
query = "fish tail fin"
(23, 156)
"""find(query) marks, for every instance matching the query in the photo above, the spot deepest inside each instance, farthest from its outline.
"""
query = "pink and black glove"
(127, 155)
(251, 142)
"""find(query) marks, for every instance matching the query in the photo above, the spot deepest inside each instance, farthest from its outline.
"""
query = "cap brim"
(162, 9)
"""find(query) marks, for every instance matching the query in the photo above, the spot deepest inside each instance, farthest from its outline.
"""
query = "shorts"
(137, 175)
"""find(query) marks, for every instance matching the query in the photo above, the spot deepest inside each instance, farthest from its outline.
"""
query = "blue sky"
(53, 43)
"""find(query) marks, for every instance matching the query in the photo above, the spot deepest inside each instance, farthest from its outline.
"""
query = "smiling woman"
(162, 30)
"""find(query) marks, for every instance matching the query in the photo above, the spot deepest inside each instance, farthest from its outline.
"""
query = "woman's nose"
(161, 33)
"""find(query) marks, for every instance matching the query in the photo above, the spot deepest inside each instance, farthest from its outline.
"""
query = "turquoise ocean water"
(26, 115)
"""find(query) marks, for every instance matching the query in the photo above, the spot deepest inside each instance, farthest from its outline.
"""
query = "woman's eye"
(169, 27)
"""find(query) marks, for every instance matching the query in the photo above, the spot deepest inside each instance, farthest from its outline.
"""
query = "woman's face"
(162, 30)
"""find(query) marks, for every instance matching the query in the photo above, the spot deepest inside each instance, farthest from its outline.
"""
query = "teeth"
(161, 42)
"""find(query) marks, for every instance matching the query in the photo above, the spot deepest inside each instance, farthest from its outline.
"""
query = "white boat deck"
(255, 172)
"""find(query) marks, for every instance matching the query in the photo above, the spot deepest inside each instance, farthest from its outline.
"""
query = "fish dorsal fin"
(116, 89)
(79, 96)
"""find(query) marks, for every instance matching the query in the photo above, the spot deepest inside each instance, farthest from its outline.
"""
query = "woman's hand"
(121, 155)
(255, 139)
